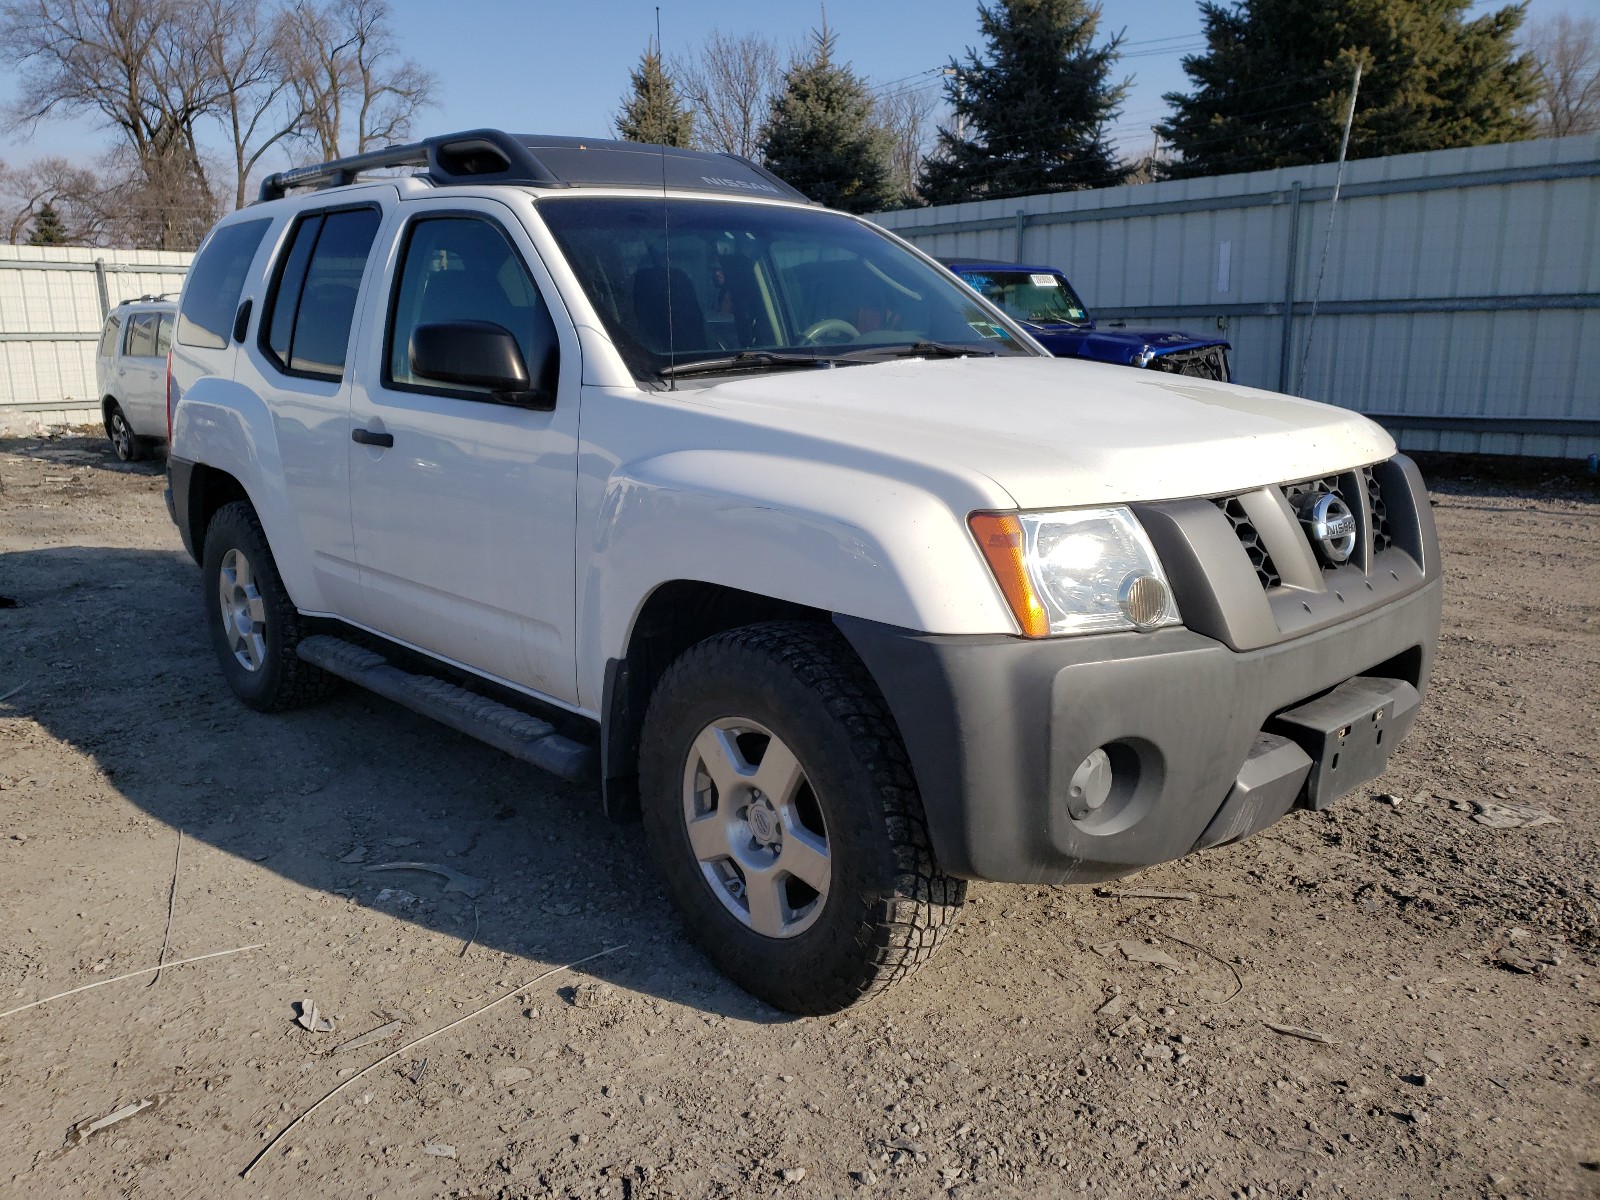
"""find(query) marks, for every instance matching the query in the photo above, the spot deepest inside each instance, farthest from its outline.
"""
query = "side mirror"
(478, 354)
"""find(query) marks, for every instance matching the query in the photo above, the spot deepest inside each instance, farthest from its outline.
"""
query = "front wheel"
(253, 624)
(782, 813)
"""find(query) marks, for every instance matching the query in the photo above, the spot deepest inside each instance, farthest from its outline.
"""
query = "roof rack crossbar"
(340, 171)
(478, 155)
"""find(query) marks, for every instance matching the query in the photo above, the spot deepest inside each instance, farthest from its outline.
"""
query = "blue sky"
(562, 68)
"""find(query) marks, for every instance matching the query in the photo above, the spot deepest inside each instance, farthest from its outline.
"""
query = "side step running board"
(501, 726)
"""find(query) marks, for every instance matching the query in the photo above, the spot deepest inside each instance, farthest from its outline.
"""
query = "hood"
(1054, 433)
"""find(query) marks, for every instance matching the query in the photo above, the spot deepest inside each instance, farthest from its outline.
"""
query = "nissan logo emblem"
(1331, 526)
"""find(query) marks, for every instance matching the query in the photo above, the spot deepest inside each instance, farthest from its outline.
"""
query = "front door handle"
(367, 438)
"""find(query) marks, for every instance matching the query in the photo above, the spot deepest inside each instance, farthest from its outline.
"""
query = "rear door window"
(141, 341)
(306, 330)
(211, 293)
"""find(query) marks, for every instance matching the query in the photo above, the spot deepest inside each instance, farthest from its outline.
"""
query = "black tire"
(887, 906)
(280, 679)
(125, 444)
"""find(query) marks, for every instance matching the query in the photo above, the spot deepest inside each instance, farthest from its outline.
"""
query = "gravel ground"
(1446, 968)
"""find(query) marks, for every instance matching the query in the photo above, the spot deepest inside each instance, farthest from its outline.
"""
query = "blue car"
(1043, 300)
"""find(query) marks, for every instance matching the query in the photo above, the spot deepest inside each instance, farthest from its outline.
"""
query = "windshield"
(751, 282)
(1028, 295)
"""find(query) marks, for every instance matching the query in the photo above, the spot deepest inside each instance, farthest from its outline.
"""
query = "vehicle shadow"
(110, 654)
(84, 450)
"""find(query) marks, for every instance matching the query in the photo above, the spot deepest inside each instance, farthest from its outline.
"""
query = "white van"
(130, 370)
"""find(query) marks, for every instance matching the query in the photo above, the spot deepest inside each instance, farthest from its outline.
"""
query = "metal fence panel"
(1460, 302)
(53, 302)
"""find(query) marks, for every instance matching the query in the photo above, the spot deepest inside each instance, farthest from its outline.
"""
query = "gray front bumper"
(997, 726)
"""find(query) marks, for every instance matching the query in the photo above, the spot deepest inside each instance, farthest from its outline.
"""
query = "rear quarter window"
(108, 336)
(211, 293)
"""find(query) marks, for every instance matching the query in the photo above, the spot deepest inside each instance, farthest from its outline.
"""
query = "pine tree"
(48, 229)
(1031, 115)
(821, 135)
(652, 112)
(1273, 86)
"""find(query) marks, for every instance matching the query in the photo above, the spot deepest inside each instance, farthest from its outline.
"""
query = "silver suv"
(130, 369)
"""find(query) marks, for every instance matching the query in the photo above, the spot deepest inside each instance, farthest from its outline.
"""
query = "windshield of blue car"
(1036, 296)
(678, 281)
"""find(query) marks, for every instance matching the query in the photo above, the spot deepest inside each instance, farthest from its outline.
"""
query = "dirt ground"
(1448, 967)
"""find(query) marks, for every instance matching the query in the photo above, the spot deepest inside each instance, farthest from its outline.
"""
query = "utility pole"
(1333, 207)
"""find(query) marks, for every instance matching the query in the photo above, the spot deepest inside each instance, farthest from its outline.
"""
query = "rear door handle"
(367, 438)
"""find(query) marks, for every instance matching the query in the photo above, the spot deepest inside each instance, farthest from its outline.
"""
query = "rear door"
(297, 361)
(464, 525)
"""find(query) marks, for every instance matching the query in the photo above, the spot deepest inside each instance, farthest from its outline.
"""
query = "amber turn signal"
(1000, 539)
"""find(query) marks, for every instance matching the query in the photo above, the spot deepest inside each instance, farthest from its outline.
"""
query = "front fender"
(224, 425)
(827, 537)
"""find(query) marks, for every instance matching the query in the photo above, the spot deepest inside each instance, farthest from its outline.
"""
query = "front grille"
(1348, 487)
(1381, 538)
(1250, 538)
(1314, 487)
(1209, 363)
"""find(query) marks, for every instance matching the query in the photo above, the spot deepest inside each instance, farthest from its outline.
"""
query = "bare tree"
(1567, 50)
(908, 116)
(136, 65)
(258, 106)
(353, 90)
(729, 84)
(78, 196)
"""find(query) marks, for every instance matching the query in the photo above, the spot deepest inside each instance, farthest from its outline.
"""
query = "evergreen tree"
(821, 135)
(652, 112)
(1031, 115)
(48, 229)
(1273, 86)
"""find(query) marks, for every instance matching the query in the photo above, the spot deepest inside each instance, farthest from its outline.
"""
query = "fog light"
(1144, 601)
(1090, 786)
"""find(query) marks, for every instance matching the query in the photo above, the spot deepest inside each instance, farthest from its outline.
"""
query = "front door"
(464, 508)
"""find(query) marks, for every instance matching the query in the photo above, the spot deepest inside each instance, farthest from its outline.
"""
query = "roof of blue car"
(983, 264)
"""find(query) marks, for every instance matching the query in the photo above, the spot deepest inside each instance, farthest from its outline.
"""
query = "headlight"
(1088, 570)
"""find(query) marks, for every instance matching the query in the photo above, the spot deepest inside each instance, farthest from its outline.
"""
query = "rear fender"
(227, 427)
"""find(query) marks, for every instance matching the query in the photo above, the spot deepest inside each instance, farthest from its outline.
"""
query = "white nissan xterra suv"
(637, 465)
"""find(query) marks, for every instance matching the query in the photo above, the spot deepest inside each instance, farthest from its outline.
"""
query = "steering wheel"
(814, 336)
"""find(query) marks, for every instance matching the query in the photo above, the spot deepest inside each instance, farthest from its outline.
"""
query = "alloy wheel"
(244, 614)
(756, 828)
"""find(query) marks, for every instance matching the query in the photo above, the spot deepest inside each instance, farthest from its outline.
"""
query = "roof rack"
(480, 156)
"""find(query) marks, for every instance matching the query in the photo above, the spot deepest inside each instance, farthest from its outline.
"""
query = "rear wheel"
(782, 813)
(126, 444)
(253, 623)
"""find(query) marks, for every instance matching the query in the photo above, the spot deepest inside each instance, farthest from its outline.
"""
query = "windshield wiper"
(919, 350)
(747, 360)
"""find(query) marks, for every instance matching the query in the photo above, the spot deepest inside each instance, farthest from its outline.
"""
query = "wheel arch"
(209, 489)
(676, 615)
